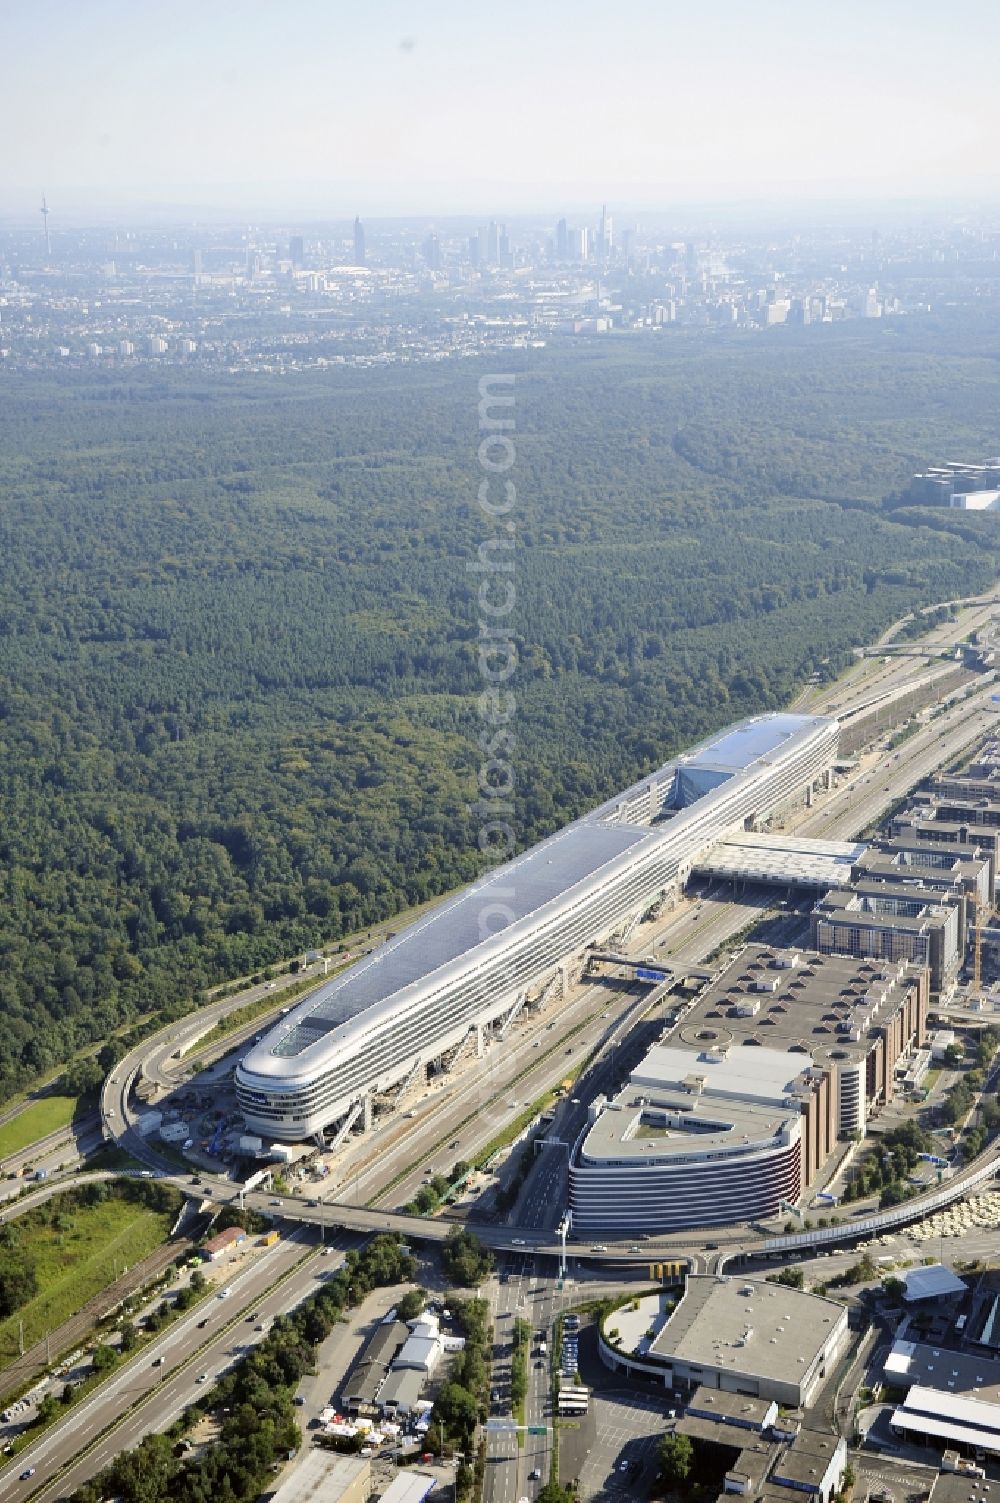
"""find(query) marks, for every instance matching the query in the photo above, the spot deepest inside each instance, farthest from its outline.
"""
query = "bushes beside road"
(254, 1401)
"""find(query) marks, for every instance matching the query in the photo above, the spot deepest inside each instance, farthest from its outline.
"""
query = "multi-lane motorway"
(450, 1124)
(145, 1394)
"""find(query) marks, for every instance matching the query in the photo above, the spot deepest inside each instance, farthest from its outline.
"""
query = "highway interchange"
(451, 1123)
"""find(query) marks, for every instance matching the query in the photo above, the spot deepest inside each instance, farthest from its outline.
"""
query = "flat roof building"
(784, 1053)
(325, 1477)
(918, 1363)
(893, 922)
(742, 1336)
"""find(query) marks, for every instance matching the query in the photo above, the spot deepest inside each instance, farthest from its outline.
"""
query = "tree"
(103, 1358)
(457, 1411)
(18, 1281)
(793, 1278)
(676, 1458)
(464, 1258)
(411, 1305)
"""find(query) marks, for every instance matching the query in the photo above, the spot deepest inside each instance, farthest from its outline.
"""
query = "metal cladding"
(463, 965)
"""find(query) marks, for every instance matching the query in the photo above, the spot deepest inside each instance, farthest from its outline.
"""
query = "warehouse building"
(472, 961)
(741, 1336)
(782, 1055)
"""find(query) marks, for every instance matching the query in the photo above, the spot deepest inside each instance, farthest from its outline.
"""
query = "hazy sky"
(390, 106)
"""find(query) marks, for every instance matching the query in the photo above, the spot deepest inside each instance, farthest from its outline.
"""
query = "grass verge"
(76, 1252)
(46, 1115)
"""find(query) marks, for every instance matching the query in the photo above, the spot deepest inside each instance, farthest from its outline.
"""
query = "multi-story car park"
(782, 1055)
(470, 962)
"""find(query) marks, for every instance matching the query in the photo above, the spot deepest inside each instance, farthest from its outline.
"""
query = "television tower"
(45, 221)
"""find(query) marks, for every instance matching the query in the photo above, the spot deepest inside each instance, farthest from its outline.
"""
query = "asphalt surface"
(140, 1398)
(685, 937)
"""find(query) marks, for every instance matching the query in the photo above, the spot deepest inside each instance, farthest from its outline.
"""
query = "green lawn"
(36, 1121)
(76, 1257)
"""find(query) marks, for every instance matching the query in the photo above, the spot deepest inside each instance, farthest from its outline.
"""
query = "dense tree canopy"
(239, 690)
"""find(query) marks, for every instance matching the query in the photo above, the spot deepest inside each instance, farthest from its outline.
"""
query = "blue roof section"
(745, 744)
(475, 926)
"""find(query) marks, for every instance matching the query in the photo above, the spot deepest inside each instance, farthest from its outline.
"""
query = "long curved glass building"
(464, 965)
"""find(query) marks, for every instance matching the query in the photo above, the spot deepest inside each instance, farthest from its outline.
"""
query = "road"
(149, 1398)
(686, 937)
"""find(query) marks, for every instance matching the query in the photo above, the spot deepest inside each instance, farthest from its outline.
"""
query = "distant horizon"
(97, 208)
(400, 107)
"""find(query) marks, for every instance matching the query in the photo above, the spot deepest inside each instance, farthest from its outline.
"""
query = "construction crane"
(45, 222)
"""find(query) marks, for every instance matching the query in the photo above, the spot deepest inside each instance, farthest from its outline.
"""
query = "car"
(635, 1247)
(519, 1241)
(202, 1324)
(623, 1466)
(711, 1246)
(157, 1361)
(276, 1201)
(599, 1247)
(201, 1378)
(314, 1203)
(454, 1143)
(299, 1400)
(534, 1474)
(258, 1327)
(225, 1293)
(28, 1472)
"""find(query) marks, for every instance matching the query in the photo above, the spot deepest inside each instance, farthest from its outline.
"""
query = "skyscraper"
(493, 242)
(297, 251)
(359, 243)
(605, 234)
(432, 251)
(562, 240)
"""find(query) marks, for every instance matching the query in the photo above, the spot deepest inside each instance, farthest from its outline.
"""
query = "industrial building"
(956, 482)
(934, 1418)
(893, 922)
(473, 960)
(742, 1336)
(782, 1055)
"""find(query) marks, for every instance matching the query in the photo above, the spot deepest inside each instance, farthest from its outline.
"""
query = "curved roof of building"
(485, 918)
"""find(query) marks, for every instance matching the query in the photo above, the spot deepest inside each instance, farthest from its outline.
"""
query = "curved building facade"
(464, 964)
(693, 1140)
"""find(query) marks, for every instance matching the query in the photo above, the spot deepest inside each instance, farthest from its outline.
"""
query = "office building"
(444, 976)
(784, 1054)
(359, 243)
(893, 923)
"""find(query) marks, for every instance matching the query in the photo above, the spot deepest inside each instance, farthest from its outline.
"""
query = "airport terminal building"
(464, 966)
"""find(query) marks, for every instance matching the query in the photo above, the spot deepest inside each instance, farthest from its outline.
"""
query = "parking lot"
(621, 1433)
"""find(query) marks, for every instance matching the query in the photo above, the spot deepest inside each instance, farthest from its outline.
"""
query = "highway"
(141, 1397)
(464, 1114)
